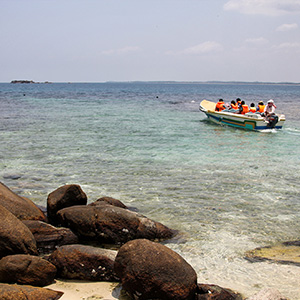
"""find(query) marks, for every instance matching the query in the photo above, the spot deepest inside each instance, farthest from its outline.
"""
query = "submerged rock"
(215, 292)
(286, 253)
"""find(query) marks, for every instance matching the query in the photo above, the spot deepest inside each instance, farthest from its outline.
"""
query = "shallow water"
(226, 190)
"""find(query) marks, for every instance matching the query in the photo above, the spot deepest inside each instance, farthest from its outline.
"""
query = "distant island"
(27, 81)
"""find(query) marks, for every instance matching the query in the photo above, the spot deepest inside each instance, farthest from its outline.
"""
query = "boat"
(249, 121)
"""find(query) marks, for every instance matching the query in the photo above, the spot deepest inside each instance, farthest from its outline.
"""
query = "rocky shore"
(69, 240)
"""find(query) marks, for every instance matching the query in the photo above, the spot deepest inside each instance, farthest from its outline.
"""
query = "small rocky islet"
(39, 245)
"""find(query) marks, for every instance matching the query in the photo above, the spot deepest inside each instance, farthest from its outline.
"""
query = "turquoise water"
(226, 190)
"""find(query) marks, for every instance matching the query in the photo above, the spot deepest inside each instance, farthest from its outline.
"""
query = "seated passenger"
(220, 105)
(233, 105)
(261, 107)
(245, 108)
(252, 108)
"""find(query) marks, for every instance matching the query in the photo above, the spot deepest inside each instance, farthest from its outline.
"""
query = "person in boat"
(244, 108)
(220, 105)
(260, 107)
(233, 105)
(269, 109)
(252, 108)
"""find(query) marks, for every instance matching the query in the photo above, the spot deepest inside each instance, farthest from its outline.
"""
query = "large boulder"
(110, 224)
(84, 262)
(149, 270)
(22, 208)
(26, 269)
(26, 292)
(15, 237)
(48, 237)
(108, 200)
(64, 196)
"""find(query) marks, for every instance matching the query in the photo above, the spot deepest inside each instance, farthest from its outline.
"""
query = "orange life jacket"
(261, 108)
(253, 109)
(234, 106)
(219, 106)
(245, 109)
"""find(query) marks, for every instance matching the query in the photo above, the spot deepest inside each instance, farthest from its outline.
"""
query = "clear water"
(226, 190)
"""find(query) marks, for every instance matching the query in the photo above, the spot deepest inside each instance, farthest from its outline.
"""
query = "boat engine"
(273, 120)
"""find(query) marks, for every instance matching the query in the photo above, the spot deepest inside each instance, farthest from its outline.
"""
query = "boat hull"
(249, 121)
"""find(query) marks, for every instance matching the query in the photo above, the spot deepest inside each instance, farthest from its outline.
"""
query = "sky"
(143, 40)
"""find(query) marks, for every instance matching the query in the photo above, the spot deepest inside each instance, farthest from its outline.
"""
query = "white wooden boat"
(249, 121)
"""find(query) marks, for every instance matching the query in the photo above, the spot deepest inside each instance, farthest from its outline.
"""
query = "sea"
(225, 190)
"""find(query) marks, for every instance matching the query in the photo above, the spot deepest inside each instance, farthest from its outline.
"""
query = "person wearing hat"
(269, 109)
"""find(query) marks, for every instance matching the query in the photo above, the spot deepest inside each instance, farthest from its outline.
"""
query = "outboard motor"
(273, 120)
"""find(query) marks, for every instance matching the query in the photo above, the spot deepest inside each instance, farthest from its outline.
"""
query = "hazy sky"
(127, 40)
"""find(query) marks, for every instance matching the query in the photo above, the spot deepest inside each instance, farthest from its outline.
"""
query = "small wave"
(294, 131)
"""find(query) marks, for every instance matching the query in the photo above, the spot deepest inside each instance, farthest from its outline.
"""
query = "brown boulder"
(25, 292)
(110, 224)
(215, 292)
(15, 237)
(108, 200)
(26, 269)
(64, 196)
(149, 270)
(48, 237)
(84, 262)
(22, 208)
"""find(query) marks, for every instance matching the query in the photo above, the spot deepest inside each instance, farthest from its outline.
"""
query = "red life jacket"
(234, 106)
(253, 109)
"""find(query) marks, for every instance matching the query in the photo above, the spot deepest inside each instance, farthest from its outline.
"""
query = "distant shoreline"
(163, 82)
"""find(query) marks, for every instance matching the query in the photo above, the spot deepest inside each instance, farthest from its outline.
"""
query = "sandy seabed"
(86, 290)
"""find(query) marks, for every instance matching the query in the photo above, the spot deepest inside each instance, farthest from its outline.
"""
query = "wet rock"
(108, 200)
(149, 270)
(26, 292)
(110, 224)
(48, 237)
(26, 269)
(215, 292)
(287, 253)
(65, 196)
(267, 294)
(22, 208)
(84, 262)
(15, 237)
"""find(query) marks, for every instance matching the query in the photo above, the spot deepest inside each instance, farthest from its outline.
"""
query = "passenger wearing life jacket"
(233, 105)
(252, 108)
(260, 107)
(220, 105)
(245, 108)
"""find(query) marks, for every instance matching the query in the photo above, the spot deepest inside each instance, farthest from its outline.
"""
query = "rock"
(22, 208)
(149, 270)
(25, 292)
(15, 237)
(287, 253)
(215, 292)
(110, 224)
(65, 196)
(84, 262)
(26, 269)
(108, 200)
(48, 237)
(267, 294)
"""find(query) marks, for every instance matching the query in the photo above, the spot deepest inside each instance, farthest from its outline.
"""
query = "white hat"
(271, 101)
